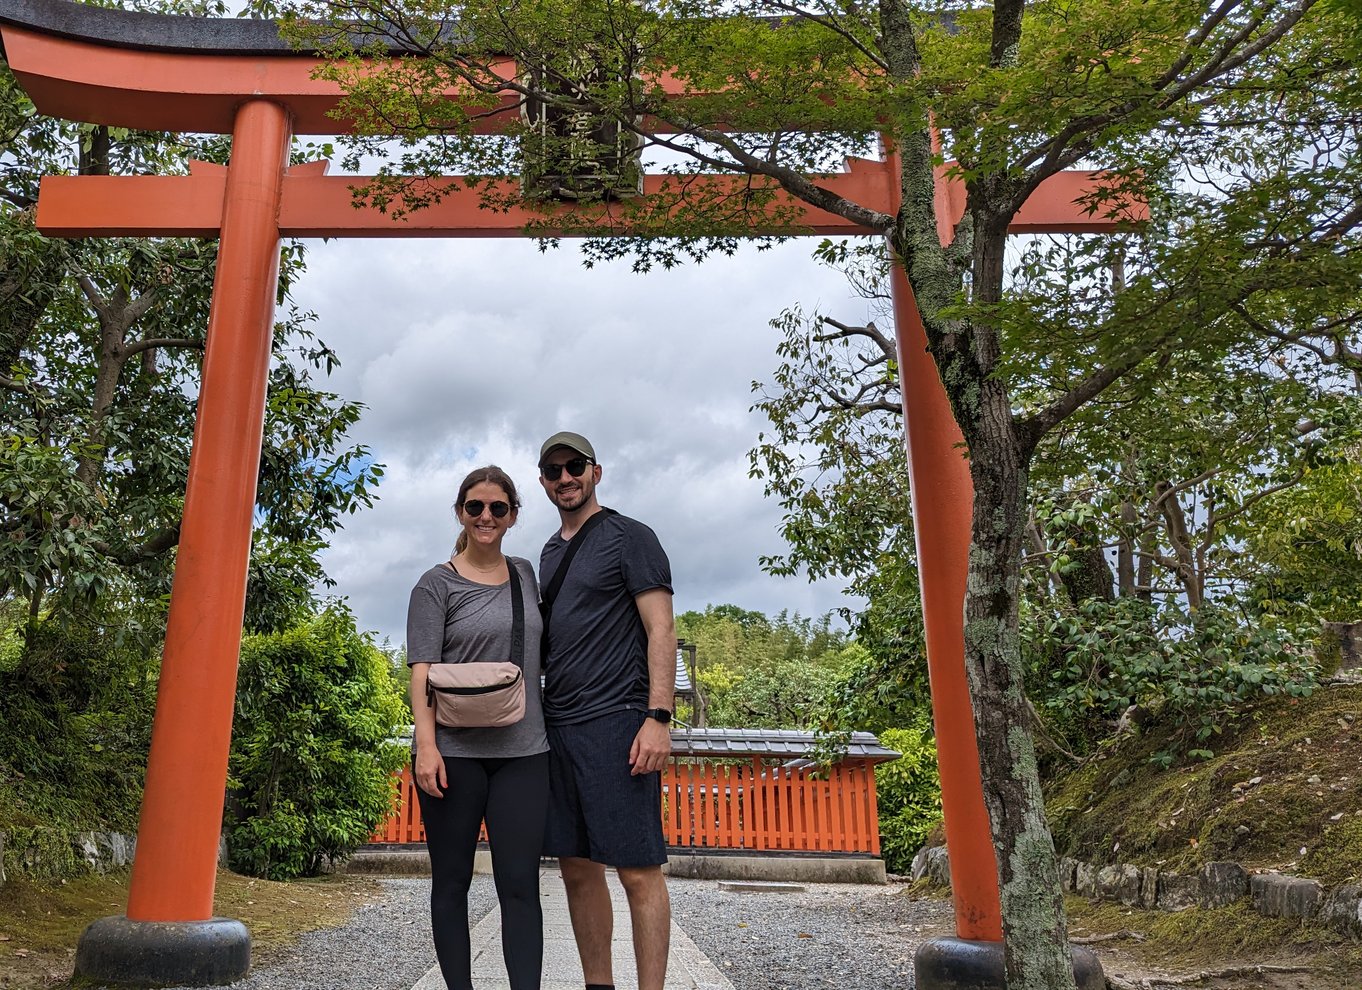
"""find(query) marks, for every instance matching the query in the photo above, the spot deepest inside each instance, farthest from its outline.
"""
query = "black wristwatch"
(661, 714)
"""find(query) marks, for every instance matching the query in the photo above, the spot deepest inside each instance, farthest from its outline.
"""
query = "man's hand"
(652, 747)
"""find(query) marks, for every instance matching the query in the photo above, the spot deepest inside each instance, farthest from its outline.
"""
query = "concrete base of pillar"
(164, 953)
(962, 964)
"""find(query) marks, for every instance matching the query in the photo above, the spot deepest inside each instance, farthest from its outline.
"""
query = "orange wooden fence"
(763, 805)
(758, 805)
(405, 825)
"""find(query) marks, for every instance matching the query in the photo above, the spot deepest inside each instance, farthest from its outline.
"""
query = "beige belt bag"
(473, 695)
(481, 694)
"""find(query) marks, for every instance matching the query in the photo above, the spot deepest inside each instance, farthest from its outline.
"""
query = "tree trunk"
(1092, 577)
(109, 368)
(1125, 552)
(1179, 538)
(1035, 928)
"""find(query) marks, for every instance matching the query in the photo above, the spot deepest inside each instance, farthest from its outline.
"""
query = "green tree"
(1305, 543)
(1254, 94)
(101, 343)
(758, 672)
(100, 349)
(313, 757)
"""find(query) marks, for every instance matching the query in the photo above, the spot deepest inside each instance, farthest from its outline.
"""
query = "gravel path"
(385, 946)
(847, 936)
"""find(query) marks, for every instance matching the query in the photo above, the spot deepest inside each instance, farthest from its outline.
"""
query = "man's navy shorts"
(598, 810)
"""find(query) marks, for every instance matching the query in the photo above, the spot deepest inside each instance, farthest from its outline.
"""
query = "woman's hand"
(430, 771)
(429, 765)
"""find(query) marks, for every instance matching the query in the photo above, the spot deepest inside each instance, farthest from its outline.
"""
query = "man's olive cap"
(572, 441)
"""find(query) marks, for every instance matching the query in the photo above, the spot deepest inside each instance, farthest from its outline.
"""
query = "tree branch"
(831, 24)
(1042, 421)
(1075, 140)
(137, 308)
(137, 346)
(152, 547)
(796, 183)
(869, 331)
(93, 296)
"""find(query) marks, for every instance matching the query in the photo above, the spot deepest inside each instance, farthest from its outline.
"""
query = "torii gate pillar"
(170, 934)
(157, 72)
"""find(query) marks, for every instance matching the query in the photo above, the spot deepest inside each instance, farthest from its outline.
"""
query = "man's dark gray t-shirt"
(598, 649)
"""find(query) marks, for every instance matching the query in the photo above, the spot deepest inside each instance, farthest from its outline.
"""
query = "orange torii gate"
(158, 72)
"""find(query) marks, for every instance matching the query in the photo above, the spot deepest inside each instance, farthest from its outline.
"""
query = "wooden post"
(175, 869)
(943, 499)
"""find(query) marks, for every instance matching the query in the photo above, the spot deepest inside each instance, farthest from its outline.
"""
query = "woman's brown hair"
(493, 475)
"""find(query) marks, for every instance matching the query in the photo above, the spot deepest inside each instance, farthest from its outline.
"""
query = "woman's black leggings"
(512, 794)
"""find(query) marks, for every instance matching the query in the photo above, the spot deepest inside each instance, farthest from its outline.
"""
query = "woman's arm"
(430, 765)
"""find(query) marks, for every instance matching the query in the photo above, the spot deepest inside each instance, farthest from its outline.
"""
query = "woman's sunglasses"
(575, 467)
(473, 507)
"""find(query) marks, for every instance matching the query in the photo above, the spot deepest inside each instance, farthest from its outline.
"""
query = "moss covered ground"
(1283, 791)
(40, 923)
(1236, 948)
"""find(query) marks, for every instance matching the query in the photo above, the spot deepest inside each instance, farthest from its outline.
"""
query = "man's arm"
(653, 745)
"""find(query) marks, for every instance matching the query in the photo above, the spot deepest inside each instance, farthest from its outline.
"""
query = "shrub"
(76, 706)
(312, 758)
(908, 795)
(1191, 673)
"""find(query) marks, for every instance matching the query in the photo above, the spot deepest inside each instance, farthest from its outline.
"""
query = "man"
(609, 680)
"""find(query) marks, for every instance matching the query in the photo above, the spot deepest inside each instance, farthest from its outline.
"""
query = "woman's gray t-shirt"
(451, 619)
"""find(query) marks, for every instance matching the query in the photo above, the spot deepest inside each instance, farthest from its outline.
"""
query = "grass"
(1220, 939)
(40, 923)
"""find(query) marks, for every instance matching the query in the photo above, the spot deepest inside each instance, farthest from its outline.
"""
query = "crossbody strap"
(551, 592)
(517, 617)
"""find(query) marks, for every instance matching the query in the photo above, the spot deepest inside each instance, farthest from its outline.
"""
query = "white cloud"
(471, 352)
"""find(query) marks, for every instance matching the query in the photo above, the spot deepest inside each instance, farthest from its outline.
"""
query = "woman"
(460, 611)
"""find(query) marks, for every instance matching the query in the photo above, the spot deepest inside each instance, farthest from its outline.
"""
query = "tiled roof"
(792, 743)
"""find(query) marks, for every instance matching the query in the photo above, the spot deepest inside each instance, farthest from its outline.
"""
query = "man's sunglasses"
(575, 467)
(473, 507)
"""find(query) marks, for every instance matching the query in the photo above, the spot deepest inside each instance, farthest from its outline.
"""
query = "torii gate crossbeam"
(233, 76)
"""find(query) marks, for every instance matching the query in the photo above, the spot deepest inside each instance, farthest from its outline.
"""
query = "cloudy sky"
(471, 352)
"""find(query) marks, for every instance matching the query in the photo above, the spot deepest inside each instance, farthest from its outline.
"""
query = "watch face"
(661, 714)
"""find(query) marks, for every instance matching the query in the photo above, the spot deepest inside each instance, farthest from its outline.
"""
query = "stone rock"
(1177, 892)
(1278, 896)
(122, 848)
(919, 868)
(1344, 641)
(1149, 887)
(1085, 880)
(1342, 908)
(103, 851)
(1120, 883)
(87, 848)
(1068, 874)
(1222, 884)
(939, 866)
